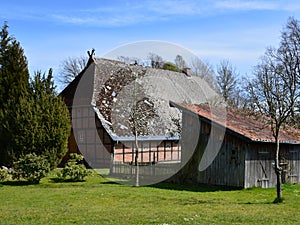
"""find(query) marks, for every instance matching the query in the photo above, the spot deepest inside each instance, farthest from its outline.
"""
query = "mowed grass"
(98, 201)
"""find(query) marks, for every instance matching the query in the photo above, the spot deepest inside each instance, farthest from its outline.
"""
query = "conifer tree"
(14, 77)
(33, 119)
(51, 117)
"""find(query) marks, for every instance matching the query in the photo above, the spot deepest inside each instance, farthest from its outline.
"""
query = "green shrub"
(3, 174)
(31, 168)
(74, 170)
(170, 66)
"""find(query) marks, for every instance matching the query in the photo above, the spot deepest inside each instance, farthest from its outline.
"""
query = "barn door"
(284, 164)
(264, 169)
(292, 176)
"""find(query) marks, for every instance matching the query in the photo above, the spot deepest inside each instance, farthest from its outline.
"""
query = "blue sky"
(240, 31)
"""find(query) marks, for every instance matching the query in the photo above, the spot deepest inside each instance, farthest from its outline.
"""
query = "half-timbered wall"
(149, 151)
(92, 140)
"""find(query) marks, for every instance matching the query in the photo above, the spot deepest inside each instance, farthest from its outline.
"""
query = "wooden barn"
(246, 151)
(101, 99)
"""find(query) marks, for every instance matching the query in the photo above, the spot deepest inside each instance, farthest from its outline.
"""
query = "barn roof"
(250, 125)
(117, 85)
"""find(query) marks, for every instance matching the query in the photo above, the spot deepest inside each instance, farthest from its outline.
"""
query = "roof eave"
(233, 132)
(145, 138)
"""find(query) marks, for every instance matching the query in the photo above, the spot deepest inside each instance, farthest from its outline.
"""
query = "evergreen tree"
(33, 119)
(14, 75)
(52, 118)
(42, 123)
(14, 85)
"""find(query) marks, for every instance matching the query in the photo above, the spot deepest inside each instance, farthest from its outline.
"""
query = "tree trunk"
(278, 170)
(137, 181)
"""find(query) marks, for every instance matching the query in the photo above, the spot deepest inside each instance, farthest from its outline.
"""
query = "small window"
(81, 136)
(234, 153)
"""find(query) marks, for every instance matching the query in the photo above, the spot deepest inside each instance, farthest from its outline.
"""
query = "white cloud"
(257, 5)
(103, 21)
(179, 7)
(245, 5)
(140, 12)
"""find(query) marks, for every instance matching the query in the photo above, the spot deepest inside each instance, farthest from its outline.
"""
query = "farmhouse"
(105, 95)
(235, 148)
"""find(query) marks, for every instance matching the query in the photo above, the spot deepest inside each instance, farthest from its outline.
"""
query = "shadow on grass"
(193, 187)
(57, 180)
(87, 180)
(17, 183)
(61, 180)
(264, 202)
(124, 180)
(110, 182)
(257, 203)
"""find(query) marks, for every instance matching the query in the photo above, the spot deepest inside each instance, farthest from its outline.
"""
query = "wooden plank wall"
(293, 169)
(228, 167)
(259, 171)
(239, 163)
(259, 161)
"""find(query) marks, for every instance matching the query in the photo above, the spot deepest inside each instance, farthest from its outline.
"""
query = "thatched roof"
(116, 86)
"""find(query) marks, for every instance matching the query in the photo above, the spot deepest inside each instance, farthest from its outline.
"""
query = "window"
(81, 136)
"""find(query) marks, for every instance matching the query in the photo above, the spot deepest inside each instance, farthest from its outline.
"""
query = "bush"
(74, 170)
(31, 168)
(170, 66)
(3, 174)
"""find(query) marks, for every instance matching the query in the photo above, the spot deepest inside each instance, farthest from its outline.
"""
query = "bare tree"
(275, 89)
(142, 111)
(124, 59)
(70, 68)
(228, 83)
(156, 60)
(205, 71)
(180, 62)
(289, 57)
(129, 60)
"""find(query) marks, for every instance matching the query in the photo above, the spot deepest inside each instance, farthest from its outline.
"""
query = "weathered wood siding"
(259, 171)
(227, 169)
(259, 161)
(292, 174)
(240, 162)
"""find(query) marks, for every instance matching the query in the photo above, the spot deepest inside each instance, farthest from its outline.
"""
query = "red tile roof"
(246, 123)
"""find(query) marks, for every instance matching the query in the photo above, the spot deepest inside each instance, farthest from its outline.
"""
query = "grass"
(98, 201)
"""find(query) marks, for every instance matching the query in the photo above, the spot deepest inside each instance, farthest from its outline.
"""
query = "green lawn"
(98, 201)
